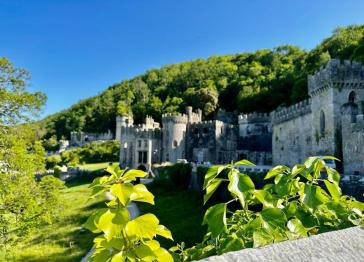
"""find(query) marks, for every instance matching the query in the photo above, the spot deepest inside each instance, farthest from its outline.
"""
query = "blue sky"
(76, 48)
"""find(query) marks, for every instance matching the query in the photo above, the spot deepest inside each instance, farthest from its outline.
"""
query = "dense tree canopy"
(24, 203)
(254, 81)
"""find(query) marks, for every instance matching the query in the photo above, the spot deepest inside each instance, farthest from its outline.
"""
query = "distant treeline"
(257, 81)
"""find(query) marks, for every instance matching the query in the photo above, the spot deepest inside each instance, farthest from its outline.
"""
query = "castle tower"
(122, 121)
(335, 85)
(174, 134)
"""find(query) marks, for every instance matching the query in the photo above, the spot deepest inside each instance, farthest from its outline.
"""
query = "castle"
(331, 122)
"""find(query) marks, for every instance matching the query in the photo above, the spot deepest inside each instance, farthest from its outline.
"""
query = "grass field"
(62, 241)
(181, 211)
(96, 166)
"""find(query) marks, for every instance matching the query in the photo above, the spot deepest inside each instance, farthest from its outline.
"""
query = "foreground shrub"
(123, 239)
(176, 175)
(299, 203)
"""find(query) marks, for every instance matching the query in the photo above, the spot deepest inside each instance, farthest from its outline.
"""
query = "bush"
(176, 175)
(52, 161)
(95, 152)
(297, 203)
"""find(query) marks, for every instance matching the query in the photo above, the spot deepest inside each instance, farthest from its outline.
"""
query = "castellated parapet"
(283, 114)
(346, 74)
(254, 117)
(174, 118)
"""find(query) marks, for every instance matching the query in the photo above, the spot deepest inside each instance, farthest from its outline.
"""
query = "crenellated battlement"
(338, 74)
(174, 118)
(282, 114)
(255, 117)
(208, 123)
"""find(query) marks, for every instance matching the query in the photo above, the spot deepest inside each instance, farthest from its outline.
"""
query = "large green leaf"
(164, 232)
(211, 188)
(133, 174)
(211, 173)
(215, 219)
(333, 189)
(313, 196)
(240, 185)
(140, 193)
(273, 218)
(113, 221)
(295, 226)
(265, 198)
(332, 175)
(143, 227)
(122, 192)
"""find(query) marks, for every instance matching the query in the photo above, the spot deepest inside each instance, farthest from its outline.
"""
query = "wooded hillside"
(258, 81)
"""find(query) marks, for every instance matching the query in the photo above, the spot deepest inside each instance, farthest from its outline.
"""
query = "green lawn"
(181, 211)
(62, 241)
(96, 166)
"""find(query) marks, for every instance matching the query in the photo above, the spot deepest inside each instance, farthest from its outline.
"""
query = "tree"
(23, 201)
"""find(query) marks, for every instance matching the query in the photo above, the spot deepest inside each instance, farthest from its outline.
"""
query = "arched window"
(175, 143)
(352, 97)
(322, 123)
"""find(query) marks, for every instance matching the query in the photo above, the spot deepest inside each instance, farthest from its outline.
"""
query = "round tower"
(174, 134)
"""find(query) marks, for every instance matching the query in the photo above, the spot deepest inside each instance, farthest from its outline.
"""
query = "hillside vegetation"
(244, 82)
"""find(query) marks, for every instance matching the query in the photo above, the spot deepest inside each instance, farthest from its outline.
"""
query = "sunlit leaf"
(273, 218)
(313, 196)
(215, 219)
(140, 193)
(239, 185)
(333, 189)
(295, 226)
(143, 227)
(132, 174)
(164, 232)
(122, 192)
(212, 173)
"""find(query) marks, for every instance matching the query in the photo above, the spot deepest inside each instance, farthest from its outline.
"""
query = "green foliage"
(95, 152)
(254, 81)
(177, 175)
(289, 208)
(52, 161)
(123, 239)
(24, 203)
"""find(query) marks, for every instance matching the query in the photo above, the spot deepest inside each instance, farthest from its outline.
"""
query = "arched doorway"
(352, 97)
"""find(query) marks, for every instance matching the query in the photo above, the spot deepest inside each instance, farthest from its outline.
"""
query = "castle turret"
(174, 133)
(122, 121)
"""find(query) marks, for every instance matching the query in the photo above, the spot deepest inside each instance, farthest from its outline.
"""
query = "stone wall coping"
(335, 246)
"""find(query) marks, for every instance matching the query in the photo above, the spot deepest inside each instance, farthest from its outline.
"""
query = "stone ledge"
(342, 245)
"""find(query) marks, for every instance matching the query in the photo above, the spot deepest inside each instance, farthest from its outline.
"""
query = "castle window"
(139, 143)
(175, 143)
(195, 131)
(142, 157)
(352, 97)
(205, 130)
(322, 123)
(145, 143)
